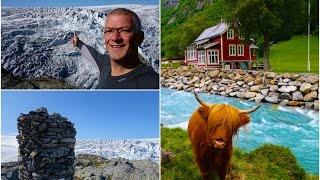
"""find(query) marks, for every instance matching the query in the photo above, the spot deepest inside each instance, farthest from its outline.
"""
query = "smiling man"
(121, 68)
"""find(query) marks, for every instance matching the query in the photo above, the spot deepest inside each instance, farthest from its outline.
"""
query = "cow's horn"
(200, 101)
(250, 110)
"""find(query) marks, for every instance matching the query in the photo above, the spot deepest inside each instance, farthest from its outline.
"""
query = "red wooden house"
(221, 46)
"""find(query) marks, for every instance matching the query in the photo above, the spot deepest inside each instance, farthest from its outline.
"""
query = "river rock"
(255, 88)
(287, 89)
(214, 73)
(310, 96)
(248, 79)
(297, 96)
(273, 88)
(264, 92)
(273, 97)
(316, 104)
(293, 103)
(312, 79)
(250, 95)
(286, 96)
(305, 88)
(295, 83)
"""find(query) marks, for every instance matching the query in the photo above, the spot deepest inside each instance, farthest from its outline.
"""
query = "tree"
(263, 17)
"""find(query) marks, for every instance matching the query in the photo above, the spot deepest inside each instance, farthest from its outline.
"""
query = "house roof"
(212, 32)
(252, 46)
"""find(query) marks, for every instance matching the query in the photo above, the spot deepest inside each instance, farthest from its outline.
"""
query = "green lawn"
(292, 55)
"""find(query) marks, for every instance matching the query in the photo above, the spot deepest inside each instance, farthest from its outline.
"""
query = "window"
(232, 50)
(213, 56)
(230, 34)
(241, 36)
(240, 50)
(201, 57)
(191, 53)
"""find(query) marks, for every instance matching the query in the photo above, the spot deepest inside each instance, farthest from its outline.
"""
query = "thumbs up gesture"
(75, 39)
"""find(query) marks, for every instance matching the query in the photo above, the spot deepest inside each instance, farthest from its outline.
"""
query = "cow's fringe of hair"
(228, 117)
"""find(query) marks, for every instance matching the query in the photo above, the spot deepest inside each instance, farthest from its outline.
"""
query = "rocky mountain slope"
(35, 42)
(95, 167)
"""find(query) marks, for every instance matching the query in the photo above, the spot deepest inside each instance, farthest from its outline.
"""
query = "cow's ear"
(204, 112)
(244, 119)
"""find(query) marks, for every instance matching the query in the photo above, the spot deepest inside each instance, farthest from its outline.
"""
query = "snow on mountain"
(135, 149)
(36, 41)
(9, 149)
(129, 149)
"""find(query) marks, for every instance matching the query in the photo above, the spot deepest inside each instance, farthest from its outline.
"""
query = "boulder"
(273, 88)
(257, 80)
(312, 96)
(287, 89)
(305, 88)
(293, 103)
(273, 97)
(259, 98)
(312, 79)
(214, 73)
(250, 95)
(255, 88)
(297, 96)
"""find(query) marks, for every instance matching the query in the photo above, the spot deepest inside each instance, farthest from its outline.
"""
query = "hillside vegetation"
(182, 21)
(266, 162)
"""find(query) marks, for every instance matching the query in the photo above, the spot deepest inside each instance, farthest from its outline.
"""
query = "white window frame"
(241, 36)
(232, 50)
(240, 50)
(201, 57)
(213, 56)
(230, 34)
(191, 53)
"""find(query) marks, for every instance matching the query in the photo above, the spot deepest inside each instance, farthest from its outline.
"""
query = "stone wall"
(285, 89)
(46, 146)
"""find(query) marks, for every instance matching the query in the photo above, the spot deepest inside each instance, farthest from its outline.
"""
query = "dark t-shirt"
(143, 77)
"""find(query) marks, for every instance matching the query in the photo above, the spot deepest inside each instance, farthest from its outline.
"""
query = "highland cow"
(211, 129)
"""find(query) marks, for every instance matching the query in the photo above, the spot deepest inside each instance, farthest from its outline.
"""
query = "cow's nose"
(219, 143)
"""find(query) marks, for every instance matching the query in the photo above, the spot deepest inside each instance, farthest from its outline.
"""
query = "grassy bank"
(266, 162)
(292, 55)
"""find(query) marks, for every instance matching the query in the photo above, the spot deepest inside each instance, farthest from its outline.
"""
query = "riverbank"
(300, 90)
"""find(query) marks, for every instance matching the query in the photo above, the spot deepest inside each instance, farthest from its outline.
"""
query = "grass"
(292, 56)
(266, 162)
(171, 65)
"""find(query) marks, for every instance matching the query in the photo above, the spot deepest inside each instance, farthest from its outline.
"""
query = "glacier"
(132, 149)
(36, 42)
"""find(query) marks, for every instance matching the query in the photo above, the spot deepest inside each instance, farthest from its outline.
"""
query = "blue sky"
(96, 114)
(71, 3)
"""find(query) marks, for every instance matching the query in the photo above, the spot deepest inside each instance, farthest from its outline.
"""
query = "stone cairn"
(46, 146)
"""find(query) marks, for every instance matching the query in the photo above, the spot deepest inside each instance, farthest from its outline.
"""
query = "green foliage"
(266, 162)
(182, 24)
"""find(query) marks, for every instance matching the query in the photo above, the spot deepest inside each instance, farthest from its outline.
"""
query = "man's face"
(121, 45)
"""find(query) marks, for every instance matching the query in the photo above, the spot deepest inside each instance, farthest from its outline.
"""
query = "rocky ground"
(9, 81)
(95, 167)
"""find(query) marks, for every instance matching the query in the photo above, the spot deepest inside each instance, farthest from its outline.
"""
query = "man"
(121, 68)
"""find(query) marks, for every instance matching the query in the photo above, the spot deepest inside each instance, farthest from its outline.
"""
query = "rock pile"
(286, 89)
(46, 146)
